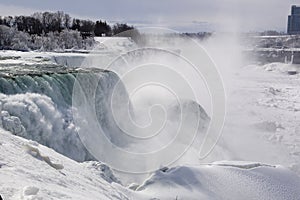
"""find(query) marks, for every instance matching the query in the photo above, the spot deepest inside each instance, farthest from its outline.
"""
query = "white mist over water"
(166, 119)
(245, 86)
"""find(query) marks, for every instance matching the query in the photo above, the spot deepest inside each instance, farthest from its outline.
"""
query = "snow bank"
(67, 59)
(36, 153)
(290, 69)
(26, 173)
(26, 176)
(115, 43)
(105, 51)
(224, 180)
(102, 170)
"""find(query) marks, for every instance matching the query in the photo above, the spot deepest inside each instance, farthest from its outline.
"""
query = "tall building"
(294, 21)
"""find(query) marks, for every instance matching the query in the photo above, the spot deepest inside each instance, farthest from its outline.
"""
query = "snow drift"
(223, 180)
(25, 176)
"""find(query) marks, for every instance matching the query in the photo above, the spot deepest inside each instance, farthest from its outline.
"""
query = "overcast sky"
(181, 15)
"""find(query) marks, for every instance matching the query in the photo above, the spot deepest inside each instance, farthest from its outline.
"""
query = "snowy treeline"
(11, 38)
(53, 31)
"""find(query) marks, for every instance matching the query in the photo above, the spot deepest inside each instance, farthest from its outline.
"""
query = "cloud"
(7, 10)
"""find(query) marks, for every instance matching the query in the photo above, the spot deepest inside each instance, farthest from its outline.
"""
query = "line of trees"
(12, 39)
(42, 23)
(49, 31)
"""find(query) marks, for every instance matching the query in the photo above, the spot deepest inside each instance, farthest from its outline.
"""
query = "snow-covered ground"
(263, 115)
(106, 49)
(32, 171)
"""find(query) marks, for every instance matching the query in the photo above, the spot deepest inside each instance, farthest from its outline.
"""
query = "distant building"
(294, 21)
